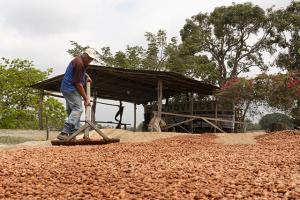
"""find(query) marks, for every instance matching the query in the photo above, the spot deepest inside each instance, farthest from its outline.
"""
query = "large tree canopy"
(287, 23)
(235, 38)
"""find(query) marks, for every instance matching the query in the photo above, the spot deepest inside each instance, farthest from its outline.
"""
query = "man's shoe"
(63, 136)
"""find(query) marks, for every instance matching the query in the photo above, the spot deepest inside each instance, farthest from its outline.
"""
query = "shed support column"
(216, 113)
(191, 111)
(159, 98)
(156, 121)
(93, 117)
(40, 114)
(134, 123)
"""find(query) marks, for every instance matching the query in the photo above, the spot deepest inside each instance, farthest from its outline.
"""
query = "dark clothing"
(75, 73)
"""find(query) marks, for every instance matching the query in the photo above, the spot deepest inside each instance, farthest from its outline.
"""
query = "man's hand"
(87, 102)
(88, 78)
(82, 93)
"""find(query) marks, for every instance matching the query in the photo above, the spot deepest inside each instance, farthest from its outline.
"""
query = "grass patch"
(13, 140)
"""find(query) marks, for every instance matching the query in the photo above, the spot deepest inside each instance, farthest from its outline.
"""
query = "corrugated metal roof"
(136, 86)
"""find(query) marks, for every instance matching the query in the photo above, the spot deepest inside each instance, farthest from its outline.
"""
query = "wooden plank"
(134, 117)
(198, 117)
(216, 113)
(159, 98)
(213, 125)
(93, 117)
(47, 127)
(191, 98)
(176, 124)
(40, 113)
(97, 130)
(81, 129)
(184, 129)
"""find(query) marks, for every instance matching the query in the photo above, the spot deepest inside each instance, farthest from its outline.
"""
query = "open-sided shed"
(139, 87)
(135, 86)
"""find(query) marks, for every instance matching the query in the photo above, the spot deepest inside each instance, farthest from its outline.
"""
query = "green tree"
(18, 101)
(268, 120)
(287, 23)
(56, 113)
(235, 38)
(154, 57)
(247, 94)
(251, 126)
(77, 49)
(196, 66)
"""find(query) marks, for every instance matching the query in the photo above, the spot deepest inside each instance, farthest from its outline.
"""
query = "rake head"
(84, 142)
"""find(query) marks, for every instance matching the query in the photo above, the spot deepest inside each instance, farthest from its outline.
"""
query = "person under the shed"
(72, 88)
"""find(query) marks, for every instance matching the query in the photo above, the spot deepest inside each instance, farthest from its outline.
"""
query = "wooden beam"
(159, 98)
(40, 113)
(176, 124)
(47, 127)
(191, 98)
(134, 120)
(213, 125)
(93, 117)
(60, 96)
(216, 112)
(199, 117)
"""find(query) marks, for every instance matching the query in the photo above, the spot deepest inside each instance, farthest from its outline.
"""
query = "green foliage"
(161, 54)
(244, 93)
(15, 78)
(194, 66)
(56, 113)
(274, 90)
(250, 126)
(226, 35)
(268, 120)
(287, 23)
(18, 101)
(77, 49)
(12, 118)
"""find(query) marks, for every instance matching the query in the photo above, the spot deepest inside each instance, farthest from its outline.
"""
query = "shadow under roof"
(135, 86)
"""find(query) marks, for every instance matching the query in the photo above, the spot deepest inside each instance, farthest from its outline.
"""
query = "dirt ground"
(38, 137)
(156, 166)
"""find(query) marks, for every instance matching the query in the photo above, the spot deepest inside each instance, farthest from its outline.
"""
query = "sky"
(41, 30)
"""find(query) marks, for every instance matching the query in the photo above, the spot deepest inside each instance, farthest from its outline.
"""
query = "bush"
(274, 121)
(250, 126)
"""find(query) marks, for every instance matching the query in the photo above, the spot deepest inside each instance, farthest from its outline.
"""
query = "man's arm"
(81, 91)
(88, 78)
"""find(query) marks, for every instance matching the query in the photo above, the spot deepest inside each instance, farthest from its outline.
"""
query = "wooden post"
(216, 113)
(87, 110)
(159, 98)
(40, 114)
(47, 127)
(93, 117)
(134, 123)
(191, 111)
